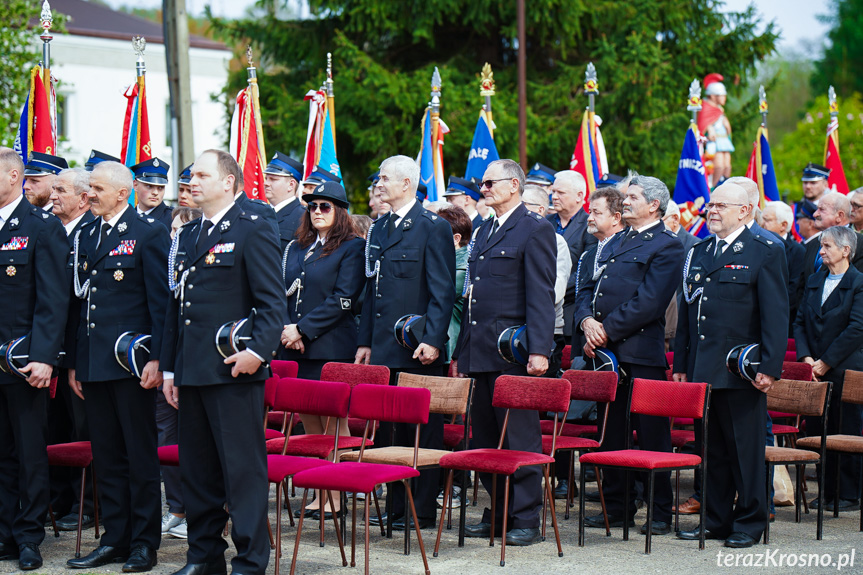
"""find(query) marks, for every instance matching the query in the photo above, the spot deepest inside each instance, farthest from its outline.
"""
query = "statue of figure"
(713, 124)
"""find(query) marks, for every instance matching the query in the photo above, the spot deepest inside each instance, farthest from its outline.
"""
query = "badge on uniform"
(737, 247)
(697, 277)
(222, 248)
(16, 243)
(11, 271)
(118, 275)
(121, 227)
(126, 247)
(225, 226)
(210, 259)
(406, 225)
(346, 302)
(648, 236)
(13, 223)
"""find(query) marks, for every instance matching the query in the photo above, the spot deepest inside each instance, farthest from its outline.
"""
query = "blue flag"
(771, 188)
(22, 140)
(690, 189)
(328, 149)
(482, 150)
(427, 175)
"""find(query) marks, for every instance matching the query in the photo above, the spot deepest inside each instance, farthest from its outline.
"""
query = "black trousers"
(735, 462)
(523, 434)
(425, 487)
(121, 416)
(223, 460)
(24, 487)
(67, 421)
(654, 434)
(167, 425)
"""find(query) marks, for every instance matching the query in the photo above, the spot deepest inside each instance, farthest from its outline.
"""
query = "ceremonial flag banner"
(836, 180)
(36, 129)
(247, 140)
(483, 150)
(761, 170)
(690, 189)
(136, 147)
(328, 158)
(585, 158)
(431, 158)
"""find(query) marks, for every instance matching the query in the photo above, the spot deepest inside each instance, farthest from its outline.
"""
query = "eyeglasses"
(719, 206)
(489, 183)
(856, 206)
(324, 207)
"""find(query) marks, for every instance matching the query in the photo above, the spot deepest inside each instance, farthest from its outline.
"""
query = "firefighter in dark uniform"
(33, 284)
(734, 294)
(281, 180)
(120, 262)
(151, 177)
(510, 281)
(225, 268)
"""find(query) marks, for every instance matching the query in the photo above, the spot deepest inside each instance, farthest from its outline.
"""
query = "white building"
(94, 64)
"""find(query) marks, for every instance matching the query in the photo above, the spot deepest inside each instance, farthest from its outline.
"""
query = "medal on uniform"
(210, 258)
(737, 247)
(118, 275)
(11, 271)
(697, 277)
(121, 227)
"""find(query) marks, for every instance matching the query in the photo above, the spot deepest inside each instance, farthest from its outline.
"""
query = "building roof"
(99, 21)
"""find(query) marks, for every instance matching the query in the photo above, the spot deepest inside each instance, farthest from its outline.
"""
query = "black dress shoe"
(102, 555)
(478, 530)
(70, 522)
(307, 514)
(560, 490)
(382, 520)
(613, 521)
(425, 523)
(589, 475)
(8, 551)
(695, 534)
(844, 504)
(591, 496)
(141, 559)
(740, 540)
(216, 567)
(523, 537)
(658, 528)
(29, 557)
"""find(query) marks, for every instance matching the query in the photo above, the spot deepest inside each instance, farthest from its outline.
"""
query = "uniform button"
(702, 318)
(612, 261)
(188, 322)
(379, 296)
(403, 256)
(274, 354)
(707, 280)
(93, 272)
(605, 277)
(377, 315)
(599, 294)
(634, 259)
(599, 314)
(190, 286)
(642, 329)
(734, 277)
(482, 257)
(382, 257)
(92, 307)
(299, 301)
(476, 279)
(473, 323)
(704, 298)
(299, 315)
(192, 269)
(473, 301)
(188, 303)
(93, 289)
(302, 273)
(119, 264)
(92, 325)
(700, 337)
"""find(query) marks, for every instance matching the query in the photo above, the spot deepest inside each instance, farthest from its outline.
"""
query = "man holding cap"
(151, 177)
(39, 173)
(814, 182)
(464, 194)
(281, 179)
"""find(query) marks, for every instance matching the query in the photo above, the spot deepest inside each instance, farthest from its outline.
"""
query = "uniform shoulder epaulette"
(670, 233)
(249, 216)
(260, 202)
(39, 214)
(430, 215)
(147, 220)
(765, 241)
(703, 241)
(536, 216)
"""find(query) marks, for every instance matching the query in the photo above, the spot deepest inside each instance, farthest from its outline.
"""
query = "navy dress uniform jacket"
(128, 292)
(262, 209)
(162, 213)
(578, 240)
(744, 301)
(795, 254)
(324, 308)
(73, 321)
(417, 276)
(289, 219)
(511, 283)
(631, 295)
(33, 283)
(223, 285)
(589, 265)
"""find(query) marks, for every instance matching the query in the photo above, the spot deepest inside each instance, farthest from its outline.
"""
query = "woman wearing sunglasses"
(324, 275)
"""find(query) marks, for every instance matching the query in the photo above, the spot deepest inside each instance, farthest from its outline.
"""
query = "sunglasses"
(489, 183)
(324, 207)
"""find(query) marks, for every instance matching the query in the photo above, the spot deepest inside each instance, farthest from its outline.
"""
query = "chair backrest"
(449, 395)
(668, 398)
(356, 373)
(284, 368)
(388, 403)
(535, 393)
(790, 356)
(792, 344)
(797, 370)
(799, 397)
(322, 398)
(599, 386)
(566, 357)
(852, 389)
(669, 358)
(270, 386)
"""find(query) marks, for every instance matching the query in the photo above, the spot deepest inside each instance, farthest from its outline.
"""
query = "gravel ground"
(842, 542)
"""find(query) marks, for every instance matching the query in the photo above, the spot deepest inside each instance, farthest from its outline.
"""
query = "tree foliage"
(842, 64)
(646, 53)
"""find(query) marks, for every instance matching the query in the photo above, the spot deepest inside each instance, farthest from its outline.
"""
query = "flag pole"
(487, 91)
(694, 104)
(139, 44)
(762, 107)
(46, 37)
(591, 88)
(331, 101)
(435, 114)
(256, 105)
(834, 114)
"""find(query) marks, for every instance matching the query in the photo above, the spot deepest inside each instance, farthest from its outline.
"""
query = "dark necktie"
(494, 227)
(628, 236)
(103, 235)
(312, 251)
(719, 245)
(204, 235)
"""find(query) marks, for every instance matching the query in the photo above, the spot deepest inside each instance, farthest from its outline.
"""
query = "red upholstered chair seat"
(569, 429)
(683, 421)
(352, 476)
(680, 437)
(640, 458)
(320, 446)
(500, 461)
(453, 434)
(273, 434)
(564, 443)
(281, 466)
(169, 455)
(781, 429)
(75, 454)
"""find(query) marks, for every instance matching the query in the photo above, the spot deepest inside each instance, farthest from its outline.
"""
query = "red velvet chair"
(510, 392)
(277, 419)
(355, 374)
(662, 399)
(372, 403)
(76, 454)
(321, 398)
(566, 358)
(598, 386)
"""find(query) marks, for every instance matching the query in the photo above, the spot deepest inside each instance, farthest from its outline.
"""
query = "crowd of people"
(95, 261)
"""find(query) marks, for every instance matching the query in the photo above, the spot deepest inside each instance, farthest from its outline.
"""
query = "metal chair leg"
(416, 526)
(300, 531)
(505, 513)
(553, 517)
(336, 524)
(278, 545)
(493, 508)
(649, 513)
(446, 498)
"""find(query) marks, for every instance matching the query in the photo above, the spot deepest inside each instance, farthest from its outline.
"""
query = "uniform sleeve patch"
(346, 302)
